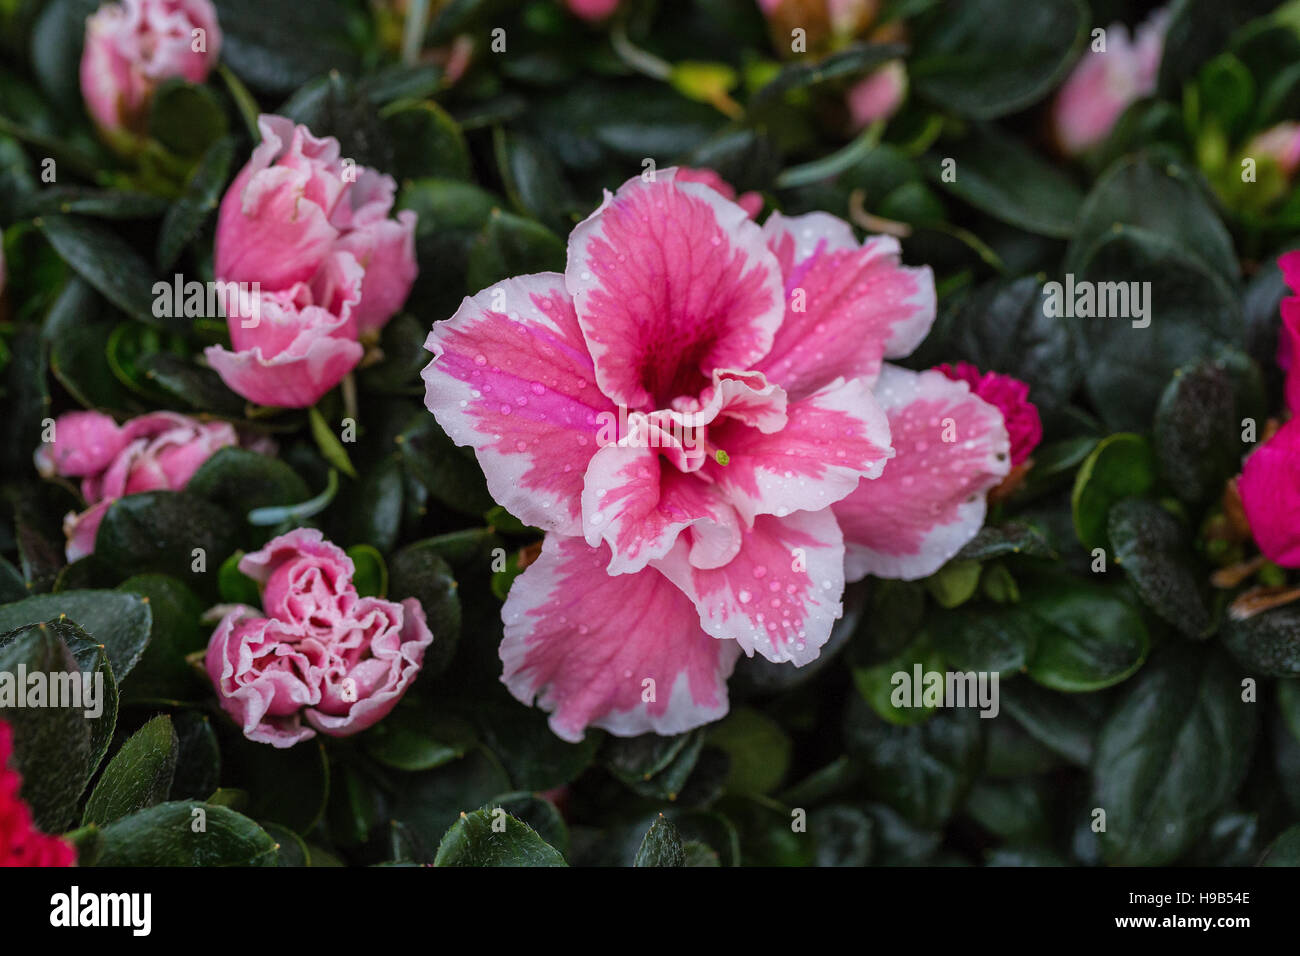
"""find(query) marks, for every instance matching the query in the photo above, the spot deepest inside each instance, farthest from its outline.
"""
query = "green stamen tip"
(721, 456)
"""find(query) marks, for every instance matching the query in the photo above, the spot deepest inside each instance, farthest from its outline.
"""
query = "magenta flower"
(133, 45)
(679, 411)
(751, 202)
(1011, 397)
(318, 651)
(1104, 84)
(592, 10)
(158, 451)
(1270, 495)
(21, 844)
(313, 232)
(1288, 342)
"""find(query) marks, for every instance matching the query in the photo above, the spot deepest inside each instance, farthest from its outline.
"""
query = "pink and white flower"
(160, 451)
(318, 652)
(756, 418)
(134, 45)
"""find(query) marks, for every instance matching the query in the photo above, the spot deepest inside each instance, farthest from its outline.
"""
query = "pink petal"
(511, 376)
(386, 250)
(831, 439)
(291, 379)
(780, 595)
(929, 501)
(638, 503)
(670, 281)
(584, 644)
(847, 305)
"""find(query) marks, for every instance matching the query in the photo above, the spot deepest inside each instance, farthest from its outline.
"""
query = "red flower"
(1011, 397)
(21, 844)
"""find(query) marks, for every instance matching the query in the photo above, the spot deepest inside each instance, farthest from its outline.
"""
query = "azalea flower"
(1105, 82)
(699, 414)
(134, 45)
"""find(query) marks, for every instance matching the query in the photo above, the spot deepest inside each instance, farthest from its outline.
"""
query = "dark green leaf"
(138, 776)
(173, 834)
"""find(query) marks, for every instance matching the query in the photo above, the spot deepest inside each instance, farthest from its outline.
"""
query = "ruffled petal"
(511, 377)
(930, 500)
(624, 653)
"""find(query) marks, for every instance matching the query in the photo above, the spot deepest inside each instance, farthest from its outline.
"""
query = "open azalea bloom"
(700, 415)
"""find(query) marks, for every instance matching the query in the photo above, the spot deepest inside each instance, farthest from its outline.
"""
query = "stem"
(637, 58)
(835, 163)
(417, 19)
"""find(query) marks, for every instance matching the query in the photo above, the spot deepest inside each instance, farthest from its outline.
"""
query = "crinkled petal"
(511, 377)
(624, 653)
(847, 305)
(670, 281)
(1270, 495)
(930, 500)
(831, 439)
(782, 592)
(639, 503)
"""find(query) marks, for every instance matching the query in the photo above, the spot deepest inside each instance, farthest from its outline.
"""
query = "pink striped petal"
(511, 376)
(831, 439)
(670, 281)
(585, 644)
(782, 592)
(952, 448)
(847, 305)
(638, 502)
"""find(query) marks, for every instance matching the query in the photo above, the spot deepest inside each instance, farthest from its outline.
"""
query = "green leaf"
(924, 771)
(961, 60)
(510, 245)
(419, 571)
(1197, 430)
(240, 480)
(174, 633)
(288, 786)
(1172, 753)
(450, 475)
(523, 741)
(234, 586)
(53, 746)
(759, 748)
(371, 576)
(104, 259)
(198, 758)
(166, 532)
(1062, 722)
(662, 846)
(1001, 326)
(276, 48)
(1000, 640)
(1190, 314)
(198, 387)
(1160, 199)
(1004, 179)
(202, 194)
(120, 622)
(1119, 467)
(1285, 850)
(185, 118)
(537, 812)
(410, 739)
(426, 141)
(474, 841)
(1088, 638)
(533, 179)
(169, 835)
(431, 801)
(880, 687)
(1268, 643)
(842, 65)
(1155, 551)
(328, 443)
(844, 836)
(996, 541)
(138, 776)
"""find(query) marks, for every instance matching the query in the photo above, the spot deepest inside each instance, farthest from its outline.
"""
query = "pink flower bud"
(1103, 84)
(133, 45)
(1280, 145)
(155, 452)
(298, 343)
(592, 10)
(323, 654)
(1011, 397)
(878, 96)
